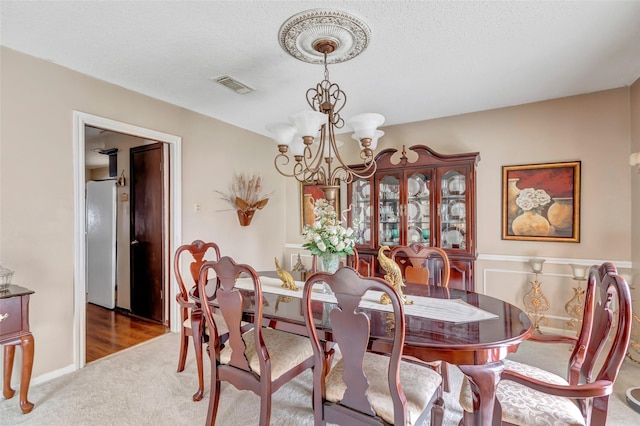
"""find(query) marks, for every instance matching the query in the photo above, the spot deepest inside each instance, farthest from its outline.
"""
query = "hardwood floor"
(110, 331)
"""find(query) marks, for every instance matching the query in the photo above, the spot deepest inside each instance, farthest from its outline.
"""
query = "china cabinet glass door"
(418, 209)
(389, 213)
(453, 211)
(361, 214)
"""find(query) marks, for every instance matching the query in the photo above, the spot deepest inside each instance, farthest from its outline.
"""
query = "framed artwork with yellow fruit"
(541, 202)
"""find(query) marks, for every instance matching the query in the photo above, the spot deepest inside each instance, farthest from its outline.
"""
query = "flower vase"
(329, 262)
(530, 223)
(245, 217)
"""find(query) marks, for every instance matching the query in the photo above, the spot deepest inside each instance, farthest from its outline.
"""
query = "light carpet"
(139, 386)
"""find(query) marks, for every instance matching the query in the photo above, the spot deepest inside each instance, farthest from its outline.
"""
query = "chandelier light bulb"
(297, 148)
(330, 151)
(374, 141)
(283, 133)
(365, 125)
(308, 123)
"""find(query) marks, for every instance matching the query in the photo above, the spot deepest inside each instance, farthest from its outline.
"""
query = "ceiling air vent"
(233, 84)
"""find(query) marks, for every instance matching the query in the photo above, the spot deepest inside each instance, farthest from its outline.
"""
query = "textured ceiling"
(425, 60)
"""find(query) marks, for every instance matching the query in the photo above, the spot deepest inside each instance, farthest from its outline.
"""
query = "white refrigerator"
(101, 243)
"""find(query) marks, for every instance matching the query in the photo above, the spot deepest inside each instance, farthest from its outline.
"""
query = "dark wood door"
(147, 231)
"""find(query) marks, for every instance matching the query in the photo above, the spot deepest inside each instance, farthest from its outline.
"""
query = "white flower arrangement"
(327, 235)
(532, 199)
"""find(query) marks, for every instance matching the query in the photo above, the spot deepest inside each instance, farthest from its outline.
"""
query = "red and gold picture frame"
(541, 202)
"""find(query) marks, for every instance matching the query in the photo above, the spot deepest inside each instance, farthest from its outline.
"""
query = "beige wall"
(36, 185)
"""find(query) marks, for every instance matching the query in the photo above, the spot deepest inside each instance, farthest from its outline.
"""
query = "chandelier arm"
(333, 148)
(297, 169)
(312, 162)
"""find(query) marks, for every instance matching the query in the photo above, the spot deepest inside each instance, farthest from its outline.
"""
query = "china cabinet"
(430, 200)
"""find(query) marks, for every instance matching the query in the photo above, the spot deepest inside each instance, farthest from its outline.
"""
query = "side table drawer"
(11, 316)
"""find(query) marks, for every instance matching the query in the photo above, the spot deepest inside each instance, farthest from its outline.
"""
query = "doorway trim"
(80, 120)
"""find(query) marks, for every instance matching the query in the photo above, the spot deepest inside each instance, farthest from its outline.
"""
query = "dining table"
(471, 330)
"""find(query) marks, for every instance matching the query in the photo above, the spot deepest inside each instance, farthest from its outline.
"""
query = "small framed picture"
(541, 202)
(309, 193)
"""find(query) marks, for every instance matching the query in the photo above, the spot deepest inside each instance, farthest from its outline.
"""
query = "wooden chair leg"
(214, 396)
(444, 371)
(437, 413)
(184, 344)
(265, 409)
(197, 329)
(599, 410)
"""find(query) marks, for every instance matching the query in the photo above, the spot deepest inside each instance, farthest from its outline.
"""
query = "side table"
(14, 330)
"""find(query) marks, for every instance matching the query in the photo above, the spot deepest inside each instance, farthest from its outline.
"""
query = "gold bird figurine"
(285, 276)
(393, 276)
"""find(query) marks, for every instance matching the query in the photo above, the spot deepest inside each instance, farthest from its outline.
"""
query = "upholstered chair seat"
(222, 327)
(418, 383)
(286, 350)
(522, 405)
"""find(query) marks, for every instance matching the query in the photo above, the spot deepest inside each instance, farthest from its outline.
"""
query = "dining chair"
(261, 359)
(426, 265)
(190, 312)
(423, 264)
(531, 395)
(365, 388)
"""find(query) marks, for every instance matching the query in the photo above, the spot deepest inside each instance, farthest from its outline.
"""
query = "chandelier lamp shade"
(307, 147)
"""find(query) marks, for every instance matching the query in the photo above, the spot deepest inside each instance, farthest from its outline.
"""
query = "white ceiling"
(425, 59)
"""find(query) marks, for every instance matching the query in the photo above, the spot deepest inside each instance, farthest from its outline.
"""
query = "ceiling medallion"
(299, 35)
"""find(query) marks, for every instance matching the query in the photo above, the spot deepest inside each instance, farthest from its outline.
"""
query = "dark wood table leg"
(197, 329)
(484, 381)
(27, 343)
(9, 352)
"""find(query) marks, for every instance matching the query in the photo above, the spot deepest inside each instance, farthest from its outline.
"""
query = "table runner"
(456, 311)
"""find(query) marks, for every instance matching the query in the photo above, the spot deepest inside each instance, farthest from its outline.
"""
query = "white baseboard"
(47, 376)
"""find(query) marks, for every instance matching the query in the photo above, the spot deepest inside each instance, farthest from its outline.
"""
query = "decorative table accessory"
(245, 196)
(5, 277)
(393, 276)
(285, 276)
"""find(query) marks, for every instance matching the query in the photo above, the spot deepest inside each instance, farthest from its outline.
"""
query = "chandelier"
(320, 36)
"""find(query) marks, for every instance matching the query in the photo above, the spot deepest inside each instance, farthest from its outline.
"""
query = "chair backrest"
(198, 249)
(350, 330)
(606, 291)
(422, 264)
(230, 304)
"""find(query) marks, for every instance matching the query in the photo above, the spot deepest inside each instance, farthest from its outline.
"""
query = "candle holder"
(299, 267)
(575, 306)
(535, 301)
